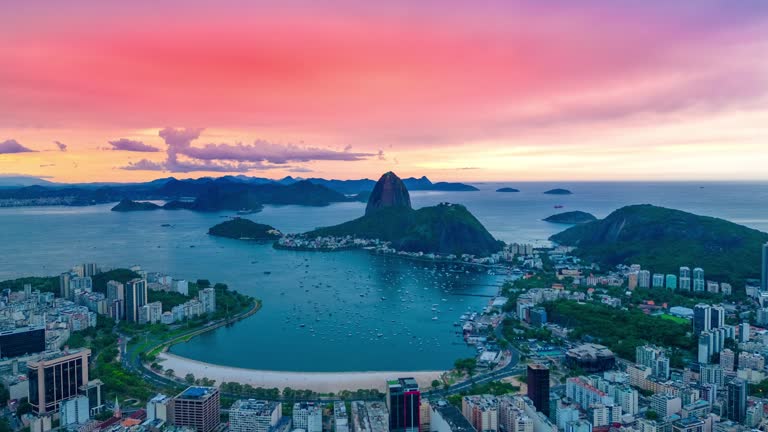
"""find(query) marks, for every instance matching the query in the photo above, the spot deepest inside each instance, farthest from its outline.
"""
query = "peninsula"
(448, 229)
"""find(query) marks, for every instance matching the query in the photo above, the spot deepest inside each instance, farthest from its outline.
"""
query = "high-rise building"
(671, 282)
(699, 284)
(736, 401)
(115, 291)
(208, 299)
(197, 407)
(632, 279)
(403, 402)
(55, 378)
(751, 361)
(665, 405)
(74, 410)
(90, 269)
(716, 317)
(644, 279)
(308, 416)
(135, 298)
(538, 387)
(764, 278)
(628, 398)
(744, 332)
(64, 289)
(249, 415)
(157, 407)
(685, 279)
(727, 360)
(702, 318)
(340, 417)
(482, 412)
(658, 280)
(21, 341)
(711, 374)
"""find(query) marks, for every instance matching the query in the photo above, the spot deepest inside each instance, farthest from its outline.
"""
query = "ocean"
(341, 311)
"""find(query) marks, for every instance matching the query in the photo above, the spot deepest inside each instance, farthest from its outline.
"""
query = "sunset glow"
(108, 91)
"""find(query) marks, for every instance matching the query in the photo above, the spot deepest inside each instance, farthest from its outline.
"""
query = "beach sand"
(321, 382)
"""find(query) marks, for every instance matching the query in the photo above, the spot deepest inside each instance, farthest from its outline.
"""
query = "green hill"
(239, 228)
(662, 240)
(127, 205)
(571, 217)
(443, 229)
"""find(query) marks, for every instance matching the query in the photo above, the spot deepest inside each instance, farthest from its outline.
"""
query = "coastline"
(321, 382)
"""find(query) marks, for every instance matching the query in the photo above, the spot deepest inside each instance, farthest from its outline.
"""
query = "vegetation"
(496, 388)
(663, 239)
(121, 275)
(239, 228)
(43, 284)
(571, 217)
(620, 330)
(444, 229)
(469, 365)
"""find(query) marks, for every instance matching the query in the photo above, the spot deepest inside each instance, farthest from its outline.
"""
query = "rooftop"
(196, 392)
(452, 416)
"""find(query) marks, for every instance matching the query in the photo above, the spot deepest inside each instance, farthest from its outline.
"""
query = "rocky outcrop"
(388, 192)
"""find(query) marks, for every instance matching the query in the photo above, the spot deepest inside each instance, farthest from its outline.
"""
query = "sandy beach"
(322, 382)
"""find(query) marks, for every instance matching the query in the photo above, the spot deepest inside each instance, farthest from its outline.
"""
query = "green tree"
(189, 378)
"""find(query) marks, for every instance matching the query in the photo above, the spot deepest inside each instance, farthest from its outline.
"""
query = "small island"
(558, 192)
(127, 205)
(571, 217)
(245, 229)
(507, 189)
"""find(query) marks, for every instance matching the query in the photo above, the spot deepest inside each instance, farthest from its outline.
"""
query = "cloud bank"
(125, 144)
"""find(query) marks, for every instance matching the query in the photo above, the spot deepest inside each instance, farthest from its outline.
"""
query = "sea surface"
(341, 311)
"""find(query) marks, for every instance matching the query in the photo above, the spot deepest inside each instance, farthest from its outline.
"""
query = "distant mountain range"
(211, 192)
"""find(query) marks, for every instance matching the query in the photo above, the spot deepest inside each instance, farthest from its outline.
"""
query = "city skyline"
(458, 91)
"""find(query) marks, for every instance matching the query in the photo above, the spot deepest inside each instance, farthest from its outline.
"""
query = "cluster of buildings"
(129, 301)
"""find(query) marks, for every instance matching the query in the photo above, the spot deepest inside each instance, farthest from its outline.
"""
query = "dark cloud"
(47, 165)
(380, 155)
(12, 146)
(125, 144)
(61, 145)
(261, 155)
(300, 170)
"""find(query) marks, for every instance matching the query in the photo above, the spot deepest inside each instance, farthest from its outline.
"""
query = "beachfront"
(321, 382)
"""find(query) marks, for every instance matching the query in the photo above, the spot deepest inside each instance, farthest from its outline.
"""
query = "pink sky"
(453, 90)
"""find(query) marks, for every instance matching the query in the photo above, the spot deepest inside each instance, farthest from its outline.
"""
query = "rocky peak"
(388, 192)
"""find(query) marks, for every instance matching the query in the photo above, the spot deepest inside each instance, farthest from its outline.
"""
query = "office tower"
(55, 378)
(706, 347)
(666, 405)
(115, 291)
(249, 415)
(157, 407)
(403, 402)
(308, 416)
(736, 401)
(744, 332)
(764, 278)
(90, 270)
(64, 289)
(702, 318)
(74, 411)
(197, 407)
(699, 285)
(208, 299)
(671, 282)
(728, 360)
(716, 317)
(644, 279)
(658, 280)
(685, 279)
(135, 298)
(21, 341)
(711, 374)
(538, 387)
(482, 412)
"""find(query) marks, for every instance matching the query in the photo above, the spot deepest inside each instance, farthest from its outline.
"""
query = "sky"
(455, 90)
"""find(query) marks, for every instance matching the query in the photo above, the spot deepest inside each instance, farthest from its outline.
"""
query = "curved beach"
(321, 382)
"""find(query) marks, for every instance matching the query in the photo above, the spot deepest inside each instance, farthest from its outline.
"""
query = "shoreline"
(321, 382)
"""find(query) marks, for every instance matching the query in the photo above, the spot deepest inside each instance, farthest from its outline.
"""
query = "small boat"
(559, 206)
(434, 318)
(267, 272)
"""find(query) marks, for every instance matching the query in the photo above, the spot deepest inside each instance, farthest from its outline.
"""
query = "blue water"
(322, 290)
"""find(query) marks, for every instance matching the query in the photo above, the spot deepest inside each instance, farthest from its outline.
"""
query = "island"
(558, 191)
(507, 189)
(571, 217)
(244, 229)
(127, 205)
(447, 229)
(665, 239)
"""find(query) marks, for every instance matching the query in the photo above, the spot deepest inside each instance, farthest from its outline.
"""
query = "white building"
(157, 407)
(308, 416)
(208, 299)
(75, 411)
(249, 415)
